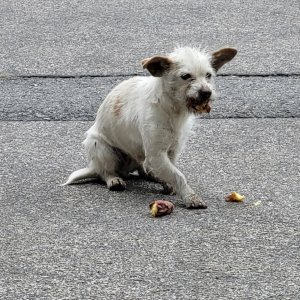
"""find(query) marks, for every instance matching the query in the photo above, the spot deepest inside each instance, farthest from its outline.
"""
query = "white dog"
(144, 121)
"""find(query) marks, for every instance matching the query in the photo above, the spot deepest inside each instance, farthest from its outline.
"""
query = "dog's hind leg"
(115, 183)
(104, 161)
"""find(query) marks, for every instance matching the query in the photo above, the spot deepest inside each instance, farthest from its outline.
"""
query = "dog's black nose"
(204, 95)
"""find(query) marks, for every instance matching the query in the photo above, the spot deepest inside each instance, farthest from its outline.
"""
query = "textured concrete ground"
(110, 37)
(56, 99)
(58, 60)
(83, 242)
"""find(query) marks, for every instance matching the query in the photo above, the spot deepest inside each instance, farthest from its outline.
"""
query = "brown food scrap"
(235, 197)
(160, 208)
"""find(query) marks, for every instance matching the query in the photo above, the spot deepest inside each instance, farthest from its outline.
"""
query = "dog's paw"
(195, 201)
(116, 184)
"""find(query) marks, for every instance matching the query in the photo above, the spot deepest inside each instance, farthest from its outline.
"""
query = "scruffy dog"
(144, 121)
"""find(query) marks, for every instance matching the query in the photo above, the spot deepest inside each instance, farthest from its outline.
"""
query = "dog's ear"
(157, 65)
(222, 56)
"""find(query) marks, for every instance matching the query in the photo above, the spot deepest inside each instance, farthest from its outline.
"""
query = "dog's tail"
(84, 173)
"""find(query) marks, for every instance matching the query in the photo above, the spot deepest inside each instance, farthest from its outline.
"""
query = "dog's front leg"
(158, 162)
(162, 167)
(167, 188)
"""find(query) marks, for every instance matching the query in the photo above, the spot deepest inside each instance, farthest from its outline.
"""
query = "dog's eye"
(208, 75)
(186, 76)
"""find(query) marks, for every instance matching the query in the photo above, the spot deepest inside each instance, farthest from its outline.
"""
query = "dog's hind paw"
(116, 184)
(195, 201)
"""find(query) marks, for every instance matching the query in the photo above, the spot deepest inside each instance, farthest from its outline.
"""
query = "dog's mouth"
(198, 108)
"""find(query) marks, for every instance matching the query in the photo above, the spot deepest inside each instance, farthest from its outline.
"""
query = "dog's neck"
(176, 112)
(166, 98)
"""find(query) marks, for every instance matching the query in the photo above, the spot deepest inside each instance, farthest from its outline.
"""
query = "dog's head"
(188, 75)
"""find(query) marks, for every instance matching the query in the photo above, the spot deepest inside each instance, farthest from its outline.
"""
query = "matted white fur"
(144, 121)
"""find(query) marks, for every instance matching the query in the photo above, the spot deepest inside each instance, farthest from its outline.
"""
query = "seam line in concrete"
(62, 76)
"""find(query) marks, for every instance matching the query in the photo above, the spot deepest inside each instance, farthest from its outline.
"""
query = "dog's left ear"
(157, 65)
(222, 56)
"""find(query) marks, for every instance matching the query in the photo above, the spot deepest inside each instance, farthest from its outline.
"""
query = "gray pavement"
(66, 37)
(84, 242)
(58, 60)
(79, 98)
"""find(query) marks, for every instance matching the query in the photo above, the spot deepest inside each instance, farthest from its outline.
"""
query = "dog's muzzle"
(200, 104)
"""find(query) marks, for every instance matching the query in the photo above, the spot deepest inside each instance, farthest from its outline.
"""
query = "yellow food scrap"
(154, 209)
(235, 197)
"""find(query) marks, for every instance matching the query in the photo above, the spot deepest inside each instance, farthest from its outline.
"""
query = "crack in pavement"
(66, 76)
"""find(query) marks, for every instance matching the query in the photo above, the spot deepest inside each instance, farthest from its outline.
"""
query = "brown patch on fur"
(222, 56)
(204, 108)
(198, 108)
(117, 107)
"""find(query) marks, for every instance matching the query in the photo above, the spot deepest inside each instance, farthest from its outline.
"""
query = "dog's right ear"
(222, 56)
(157, 65)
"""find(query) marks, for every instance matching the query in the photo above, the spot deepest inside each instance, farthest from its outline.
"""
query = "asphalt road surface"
(58, 60)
